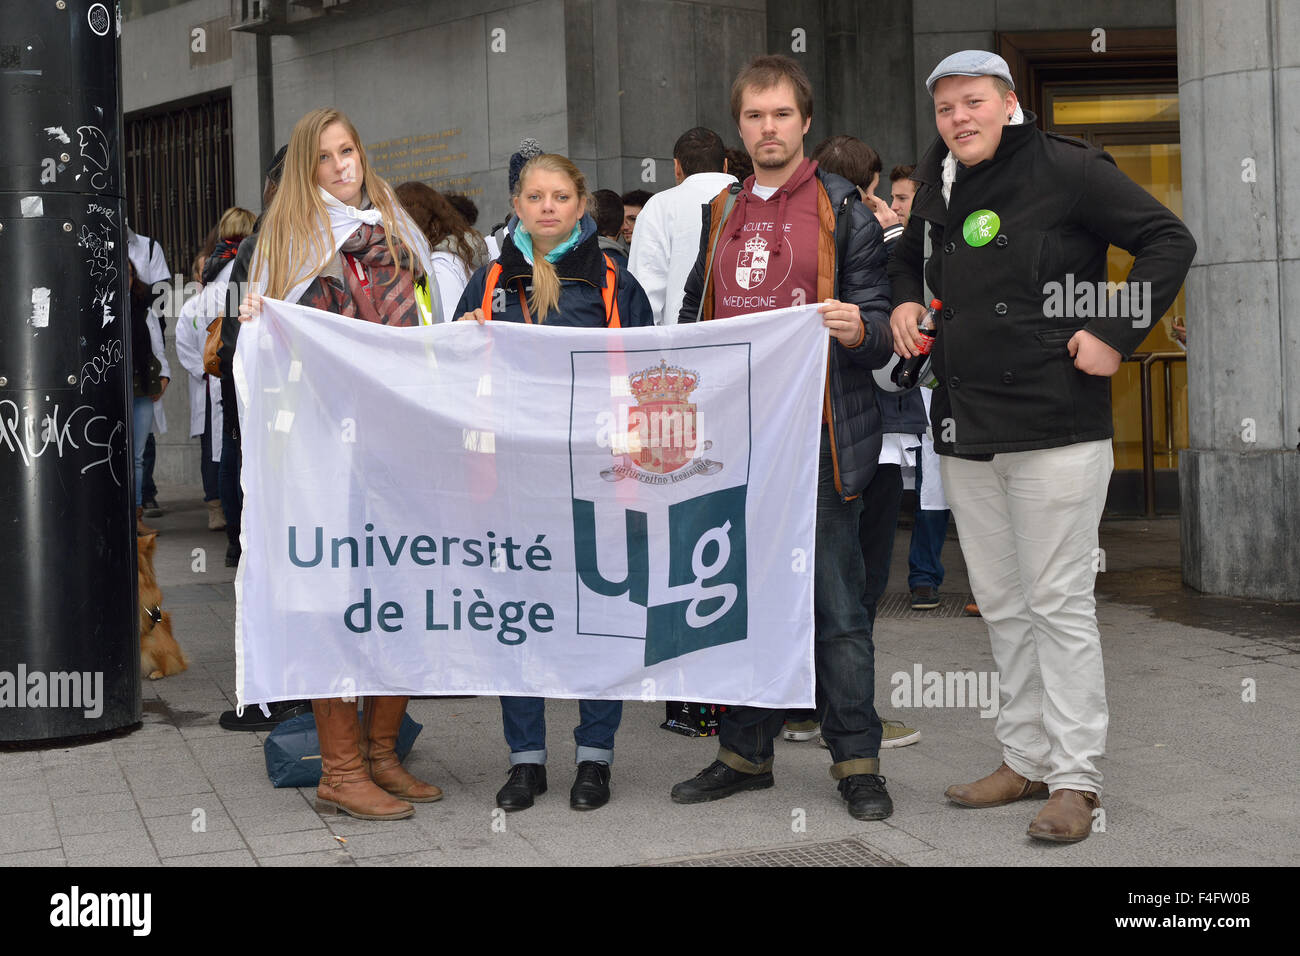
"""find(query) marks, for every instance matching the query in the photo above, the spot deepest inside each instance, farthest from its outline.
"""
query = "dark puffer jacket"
(582, 279)
(858, 270)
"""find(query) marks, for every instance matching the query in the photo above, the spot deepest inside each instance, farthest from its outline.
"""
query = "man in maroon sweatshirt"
(796, 235)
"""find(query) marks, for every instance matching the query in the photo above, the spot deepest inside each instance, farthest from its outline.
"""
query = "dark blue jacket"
(582, 279)
(902, 412)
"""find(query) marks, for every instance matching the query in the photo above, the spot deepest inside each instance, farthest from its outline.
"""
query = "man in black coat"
(1019, 222)
(816, 243)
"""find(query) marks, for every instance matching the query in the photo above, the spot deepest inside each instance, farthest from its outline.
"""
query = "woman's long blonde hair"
(296, 234)
(546, 282)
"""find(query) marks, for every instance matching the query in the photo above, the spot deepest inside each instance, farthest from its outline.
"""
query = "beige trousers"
(1028, 527)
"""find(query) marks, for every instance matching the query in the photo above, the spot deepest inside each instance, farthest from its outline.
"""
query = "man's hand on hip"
(1092, 355)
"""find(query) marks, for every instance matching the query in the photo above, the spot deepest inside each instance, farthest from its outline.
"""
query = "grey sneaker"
(924, 598)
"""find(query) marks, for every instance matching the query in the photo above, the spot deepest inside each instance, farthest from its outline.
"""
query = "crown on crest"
(756, 244)
(663, 382)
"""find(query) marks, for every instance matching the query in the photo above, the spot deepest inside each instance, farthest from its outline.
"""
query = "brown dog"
(160, 655)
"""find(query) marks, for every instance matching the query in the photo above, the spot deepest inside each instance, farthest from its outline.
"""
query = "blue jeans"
(524, 722)
(844, 655)
(876, 530)
(141, 422)
(929, 529)
(232, 496)
(880, 500)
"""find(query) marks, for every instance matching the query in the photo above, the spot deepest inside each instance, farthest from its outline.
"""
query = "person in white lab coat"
(666, 241)
(150, 263)
(150, 374)
(191, 334)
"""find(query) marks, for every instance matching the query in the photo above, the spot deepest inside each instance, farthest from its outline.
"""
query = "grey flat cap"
(971, 63)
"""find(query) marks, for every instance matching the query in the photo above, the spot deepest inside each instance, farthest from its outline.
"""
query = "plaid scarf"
(382, 300)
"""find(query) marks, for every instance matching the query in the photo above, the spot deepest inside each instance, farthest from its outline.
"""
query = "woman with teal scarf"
(551, 268)
(552, 272)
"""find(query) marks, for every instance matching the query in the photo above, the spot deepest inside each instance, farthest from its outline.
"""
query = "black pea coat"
(1012, 286)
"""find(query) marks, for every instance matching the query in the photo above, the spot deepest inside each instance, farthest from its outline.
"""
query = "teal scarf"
(524, 243)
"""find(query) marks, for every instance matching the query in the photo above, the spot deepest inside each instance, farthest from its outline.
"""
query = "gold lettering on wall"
(425, 158)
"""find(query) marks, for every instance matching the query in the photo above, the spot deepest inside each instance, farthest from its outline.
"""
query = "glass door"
(1138, 125)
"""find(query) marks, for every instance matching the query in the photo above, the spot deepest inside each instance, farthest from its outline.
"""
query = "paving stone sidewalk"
(1195, 776)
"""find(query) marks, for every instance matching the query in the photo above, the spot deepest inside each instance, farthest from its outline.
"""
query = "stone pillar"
(1239, 91)
(642, 72)
(252, 117)
(858, 55)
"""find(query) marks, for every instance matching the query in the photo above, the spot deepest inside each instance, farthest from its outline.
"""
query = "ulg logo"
(694, 596)
(76, 909)
(661, 558)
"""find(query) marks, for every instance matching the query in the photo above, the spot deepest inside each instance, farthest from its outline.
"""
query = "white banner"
(524, 510)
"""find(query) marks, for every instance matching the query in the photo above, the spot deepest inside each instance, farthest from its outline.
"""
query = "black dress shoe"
(716, 781)
(526, 781)
(867, 797)
(281, 711)
(233, 553)
(591, 788)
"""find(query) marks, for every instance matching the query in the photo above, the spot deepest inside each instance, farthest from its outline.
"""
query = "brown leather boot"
(1067, 818)
(344, 783)
(1001, 787)
(141, 529)
(383, 718)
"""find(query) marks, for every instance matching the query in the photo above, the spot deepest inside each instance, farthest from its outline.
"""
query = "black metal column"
(69, 646)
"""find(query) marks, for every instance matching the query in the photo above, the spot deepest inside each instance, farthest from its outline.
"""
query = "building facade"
(442, 91)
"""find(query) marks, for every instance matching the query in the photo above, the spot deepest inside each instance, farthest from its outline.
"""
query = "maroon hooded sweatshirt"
(767, 255)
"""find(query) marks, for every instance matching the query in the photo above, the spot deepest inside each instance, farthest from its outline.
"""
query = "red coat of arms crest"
(662, 434)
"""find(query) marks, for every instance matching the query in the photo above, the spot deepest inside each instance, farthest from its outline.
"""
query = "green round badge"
(980, 227)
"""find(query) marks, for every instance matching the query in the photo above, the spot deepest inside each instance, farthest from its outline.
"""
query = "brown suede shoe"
(1001, 787)
(1067, 818)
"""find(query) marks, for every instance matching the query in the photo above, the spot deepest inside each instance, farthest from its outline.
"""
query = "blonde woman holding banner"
(551, 272)
(336, 238)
